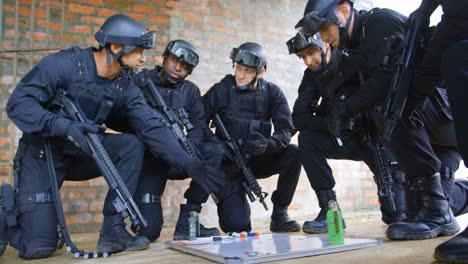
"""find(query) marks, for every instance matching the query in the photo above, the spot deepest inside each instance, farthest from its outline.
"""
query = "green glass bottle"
(335, 224)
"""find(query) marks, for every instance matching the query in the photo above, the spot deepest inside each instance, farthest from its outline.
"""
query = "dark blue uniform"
(433, 149)
(317, 144)
(74, 70)
(156, 171)
(244, 114)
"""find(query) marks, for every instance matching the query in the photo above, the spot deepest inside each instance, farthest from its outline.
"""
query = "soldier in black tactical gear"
(446, 59)
(248, 105)
(96, 80)
(179, 60)
(317, 141)
(367, 34)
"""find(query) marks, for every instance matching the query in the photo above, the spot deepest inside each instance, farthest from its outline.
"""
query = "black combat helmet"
(122, 29)
(319, 12)
(184, 51)
(250, 54)
(300, 42)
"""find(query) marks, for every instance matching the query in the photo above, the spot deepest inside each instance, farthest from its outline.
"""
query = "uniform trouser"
(455, 73)
(234, 210)
(153, 179)
(126, 152)
(421, 152)
(318, 146)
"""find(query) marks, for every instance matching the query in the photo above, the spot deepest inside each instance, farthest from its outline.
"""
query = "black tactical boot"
(432, 216)
(390, 216)
(114, 237)
(280, 221)
(181, 231)
(319, 224)
(454, 250)
(7, 214)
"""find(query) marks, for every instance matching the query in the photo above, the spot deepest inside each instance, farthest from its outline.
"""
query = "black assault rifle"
(175, 121)
(405, 50)
(383, 159)
(249, 183)
(124, 203)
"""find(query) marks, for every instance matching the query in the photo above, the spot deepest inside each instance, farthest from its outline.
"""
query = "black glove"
(256, 145)
(208, 177)
(76, 133)
(339, 122)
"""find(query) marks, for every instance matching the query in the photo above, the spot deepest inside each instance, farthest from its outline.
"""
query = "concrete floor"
(368, 226)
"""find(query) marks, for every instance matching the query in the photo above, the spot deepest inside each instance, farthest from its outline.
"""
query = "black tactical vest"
(248, 112)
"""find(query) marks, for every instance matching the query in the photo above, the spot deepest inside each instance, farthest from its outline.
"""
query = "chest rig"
(96, 97)
(247, 113)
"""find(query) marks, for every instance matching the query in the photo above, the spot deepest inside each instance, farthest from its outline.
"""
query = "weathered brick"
(85, 9)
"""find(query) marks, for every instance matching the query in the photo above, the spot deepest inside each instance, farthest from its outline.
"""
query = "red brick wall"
(215, 27)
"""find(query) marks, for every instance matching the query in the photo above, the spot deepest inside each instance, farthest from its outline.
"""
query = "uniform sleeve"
(282, 120)
(369, 56)
(26, 105)
(149, 128)
(197, 116)
(303, 111)
(450, 30)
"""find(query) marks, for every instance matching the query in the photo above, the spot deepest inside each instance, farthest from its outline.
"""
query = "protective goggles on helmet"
(300, 42)
(184, 53)
(245, 58)
(146, 41)
(310, 24)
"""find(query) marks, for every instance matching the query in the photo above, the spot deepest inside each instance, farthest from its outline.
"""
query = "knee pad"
(32, 207)
(37, 248)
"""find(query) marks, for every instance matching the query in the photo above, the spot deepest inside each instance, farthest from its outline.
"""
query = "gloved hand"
(208, 177)
(339, 122)
(76, 133)
(256, 145)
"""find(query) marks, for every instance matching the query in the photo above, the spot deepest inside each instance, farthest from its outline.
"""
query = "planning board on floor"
(266, 247)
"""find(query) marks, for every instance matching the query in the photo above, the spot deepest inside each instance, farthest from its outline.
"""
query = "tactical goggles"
(300, 42)
(245, 58)
(183, 53)
(310, 24)
(148, 40)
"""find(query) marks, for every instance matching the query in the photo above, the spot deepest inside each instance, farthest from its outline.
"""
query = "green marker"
(335, 225)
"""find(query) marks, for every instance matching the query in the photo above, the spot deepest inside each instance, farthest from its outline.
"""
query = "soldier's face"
(135, 58)
(331, 34)
(243, 74)
(312, 57)
(176, 67)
